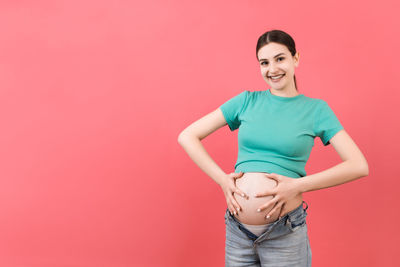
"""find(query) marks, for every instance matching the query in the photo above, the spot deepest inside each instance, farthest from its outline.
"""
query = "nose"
(272, 68)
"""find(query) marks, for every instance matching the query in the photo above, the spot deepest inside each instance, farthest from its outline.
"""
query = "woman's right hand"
(229, 187)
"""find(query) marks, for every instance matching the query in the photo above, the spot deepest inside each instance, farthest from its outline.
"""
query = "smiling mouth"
(276, 77)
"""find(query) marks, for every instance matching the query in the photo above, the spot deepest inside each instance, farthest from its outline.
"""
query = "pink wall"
(93, 95)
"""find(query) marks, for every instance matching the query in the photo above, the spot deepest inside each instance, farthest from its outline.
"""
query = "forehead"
(270, 50)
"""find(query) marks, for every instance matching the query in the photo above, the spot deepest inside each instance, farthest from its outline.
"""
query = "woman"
(265, 219)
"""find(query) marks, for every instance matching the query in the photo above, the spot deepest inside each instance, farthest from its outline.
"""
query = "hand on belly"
(253, 183)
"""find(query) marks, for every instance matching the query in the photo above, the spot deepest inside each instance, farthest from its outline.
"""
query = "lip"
(277, 75)
(276, 81)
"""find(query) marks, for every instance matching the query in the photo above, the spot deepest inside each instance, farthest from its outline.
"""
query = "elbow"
(364, 170)
(182, 136)
(360, 168)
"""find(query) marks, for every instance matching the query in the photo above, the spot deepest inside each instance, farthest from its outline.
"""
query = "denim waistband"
(291, 214)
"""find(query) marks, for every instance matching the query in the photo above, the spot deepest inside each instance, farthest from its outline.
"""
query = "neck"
(284, 92)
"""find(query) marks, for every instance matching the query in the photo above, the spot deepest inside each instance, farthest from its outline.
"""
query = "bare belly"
(256, 182)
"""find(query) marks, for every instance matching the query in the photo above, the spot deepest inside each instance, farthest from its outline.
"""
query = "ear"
(297, 59)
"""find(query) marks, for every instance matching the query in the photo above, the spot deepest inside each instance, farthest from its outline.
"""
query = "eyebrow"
(274, 56)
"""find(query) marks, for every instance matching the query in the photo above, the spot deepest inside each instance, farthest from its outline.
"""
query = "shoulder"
(314, 103)
(254, 94)
(248, 95)
(312, 99)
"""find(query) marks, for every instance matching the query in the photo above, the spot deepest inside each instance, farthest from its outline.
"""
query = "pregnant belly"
(256, 182)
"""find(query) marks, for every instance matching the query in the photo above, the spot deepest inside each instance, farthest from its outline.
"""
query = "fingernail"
(268, 216)
(235, 213)
(242, 195)
(238, 209)
(258, 210)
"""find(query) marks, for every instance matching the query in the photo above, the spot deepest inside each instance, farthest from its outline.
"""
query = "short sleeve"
(327, 124)
(232, 109)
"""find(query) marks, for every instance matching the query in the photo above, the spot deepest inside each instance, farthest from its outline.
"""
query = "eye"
(279, 59)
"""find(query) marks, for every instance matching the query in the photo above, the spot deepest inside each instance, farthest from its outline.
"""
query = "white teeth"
(276, 77)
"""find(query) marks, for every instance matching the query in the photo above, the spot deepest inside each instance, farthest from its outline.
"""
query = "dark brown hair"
(277, 36)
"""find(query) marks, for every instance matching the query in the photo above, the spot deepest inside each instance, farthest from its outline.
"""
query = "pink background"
(93, 95)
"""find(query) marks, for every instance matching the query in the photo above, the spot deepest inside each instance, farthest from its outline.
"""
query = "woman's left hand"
(285, 190)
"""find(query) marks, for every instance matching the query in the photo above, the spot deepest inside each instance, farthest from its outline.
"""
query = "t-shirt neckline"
(283, 98)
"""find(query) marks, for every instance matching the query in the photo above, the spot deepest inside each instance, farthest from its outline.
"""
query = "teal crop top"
(276, 134)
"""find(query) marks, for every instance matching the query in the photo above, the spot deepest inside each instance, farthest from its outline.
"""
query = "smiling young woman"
(265, 218)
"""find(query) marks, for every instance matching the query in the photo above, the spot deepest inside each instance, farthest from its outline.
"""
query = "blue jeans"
(284, 243)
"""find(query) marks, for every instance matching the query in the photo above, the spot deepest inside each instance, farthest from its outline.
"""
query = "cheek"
(263, 72)
(289, 69)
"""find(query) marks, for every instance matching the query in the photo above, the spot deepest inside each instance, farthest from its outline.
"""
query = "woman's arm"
(354, 166)
(190, 139)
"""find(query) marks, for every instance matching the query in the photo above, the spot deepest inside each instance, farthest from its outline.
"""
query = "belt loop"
(306, 204)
